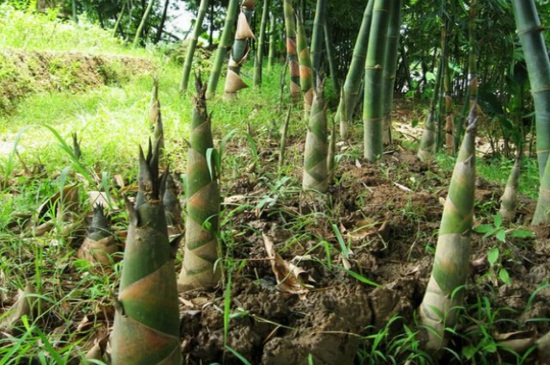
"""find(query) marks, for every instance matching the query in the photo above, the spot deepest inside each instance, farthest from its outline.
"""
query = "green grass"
(38, 31)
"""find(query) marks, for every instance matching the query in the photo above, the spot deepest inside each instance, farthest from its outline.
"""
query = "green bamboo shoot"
(445, 292)
(201, 253)
(156, 119)
(146, 326)
(316, 150)
(509, 199)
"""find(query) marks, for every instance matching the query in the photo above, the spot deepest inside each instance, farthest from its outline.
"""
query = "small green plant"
(500, 232)
(495, 267)
(388, 347)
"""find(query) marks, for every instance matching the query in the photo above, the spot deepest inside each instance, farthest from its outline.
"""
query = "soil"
(390, 214)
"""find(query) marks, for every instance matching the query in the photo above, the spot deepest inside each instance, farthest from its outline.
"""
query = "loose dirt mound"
(389, 216)
(25, 72)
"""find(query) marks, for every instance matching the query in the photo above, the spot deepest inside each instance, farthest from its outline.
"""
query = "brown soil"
(391, 229)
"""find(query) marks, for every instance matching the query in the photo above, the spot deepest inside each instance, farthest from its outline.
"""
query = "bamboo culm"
(203, 8)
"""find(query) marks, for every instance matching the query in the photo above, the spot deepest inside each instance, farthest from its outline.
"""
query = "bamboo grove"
(383, 59)
(375, 71)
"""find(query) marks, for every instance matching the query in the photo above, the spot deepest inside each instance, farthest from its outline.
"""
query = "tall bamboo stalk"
(200, 257)
(538, 66)
(390, 66)
(316, 150)
(373, 102)
(330, 57)
(542, 211)
(318, 36)
(139, 30)
(260, 46)
(146, 326)
(271, 53)
(445, 292)
(306, 71)
(239, 51)
(472, 68)
(203, 8)
(352, 86)
(118, 19)
(291, 52)
(428, 143)
(226, 41)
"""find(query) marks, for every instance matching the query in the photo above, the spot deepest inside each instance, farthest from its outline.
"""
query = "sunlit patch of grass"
(20, 28)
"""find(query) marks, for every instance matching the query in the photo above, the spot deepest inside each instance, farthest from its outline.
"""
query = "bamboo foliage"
(239, 51)
(444, 294)
(352, 86)
(291, 51)
(203, 8)
(146, 326)
(373, 102)
(199, 269)
(316, 150)
(306, 71)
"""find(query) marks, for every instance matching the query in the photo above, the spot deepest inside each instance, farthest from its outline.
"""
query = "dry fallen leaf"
(290, 278)
(27, 304)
